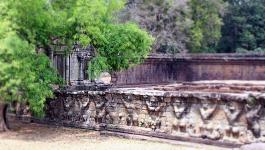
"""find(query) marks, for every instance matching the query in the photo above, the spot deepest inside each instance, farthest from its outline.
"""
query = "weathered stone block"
(225, 117)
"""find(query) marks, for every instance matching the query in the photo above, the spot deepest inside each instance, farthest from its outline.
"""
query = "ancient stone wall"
(159, 69)
(231, 118)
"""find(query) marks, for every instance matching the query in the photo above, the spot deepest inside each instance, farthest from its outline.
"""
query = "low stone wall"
(159, 69)
(207, 117)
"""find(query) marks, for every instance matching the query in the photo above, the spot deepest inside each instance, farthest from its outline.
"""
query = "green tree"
(29, 29)
(124, 46)
(243, 26)
(25, 76)
(118, 45)
(205, 32)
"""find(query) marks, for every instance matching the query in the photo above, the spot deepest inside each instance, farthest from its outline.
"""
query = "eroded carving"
(153, 103)
(247, 137)
(211, 131)
(232, 111)
(112, 113)
(100, 115)
(71, 109)
(192, 131)
(252, 116)
(207, 109)
(181, 125)
(154, 106)
(86, 112)
(180, 107)
(172, 115)
(132, 115)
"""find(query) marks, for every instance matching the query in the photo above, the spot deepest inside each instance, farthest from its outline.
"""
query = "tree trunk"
(3, 119)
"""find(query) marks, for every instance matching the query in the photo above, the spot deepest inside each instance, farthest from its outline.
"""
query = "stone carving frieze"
(178, 115)
(85, 110)
(112, 112)
(180, 107)
(253, 116)
(207, 109)
(100, 114)
(154, 106)
(131, 109)
(232, 111)
(211, 131)
(192, 131)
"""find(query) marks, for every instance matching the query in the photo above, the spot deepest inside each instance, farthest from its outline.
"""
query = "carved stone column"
(81, 61)
(84, 56)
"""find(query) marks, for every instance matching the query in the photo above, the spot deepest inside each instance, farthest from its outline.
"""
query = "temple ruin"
(206, 98)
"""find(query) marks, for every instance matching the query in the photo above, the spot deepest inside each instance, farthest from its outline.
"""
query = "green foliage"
(243, 26)
(30, 27)
(179, 26)
(24, 75)
(257, 50)
(201, 25)
(124, 45)
(206, 28)
(118, 46)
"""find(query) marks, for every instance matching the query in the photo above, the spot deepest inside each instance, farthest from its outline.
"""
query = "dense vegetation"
(164, 19)
(244, 26)
(202, 25)
(31, 29)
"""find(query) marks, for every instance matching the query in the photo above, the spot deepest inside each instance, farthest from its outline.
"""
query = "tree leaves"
(124, 46)
(243, 26)
(207, 22)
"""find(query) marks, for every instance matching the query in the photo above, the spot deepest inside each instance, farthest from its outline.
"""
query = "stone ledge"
(209, 56)
(203, 116)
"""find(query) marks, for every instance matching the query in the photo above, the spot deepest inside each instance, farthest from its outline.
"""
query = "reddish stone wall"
(159, 69)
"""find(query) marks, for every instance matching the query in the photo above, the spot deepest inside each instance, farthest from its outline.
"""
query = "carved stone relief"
(175, 116)
(207, 109)
(132, 115)
(232, 111)
(112, 114)
(153, 103)
(180, 109)
(211, 131)
(192, 131)
(100, 102)
(85, 111)
(68, 108)
(154, 106)
(253, 116)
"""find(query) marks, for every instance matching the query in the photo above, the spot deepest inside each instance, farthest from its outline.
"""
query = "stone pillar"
(81, 68)
(83, 56)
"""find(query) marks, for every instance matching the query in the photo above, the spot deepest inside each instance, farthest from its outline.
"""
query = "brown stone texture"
(159, 69)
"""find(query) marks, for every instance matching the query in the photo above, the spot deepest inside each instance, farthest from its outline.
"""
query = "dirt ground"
(43, 137)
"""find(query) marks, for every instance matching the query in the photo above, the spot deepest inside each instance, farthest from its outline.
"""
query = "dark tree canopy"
(179, 26)
(244, 26)
(201, 25)
(167, 20)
